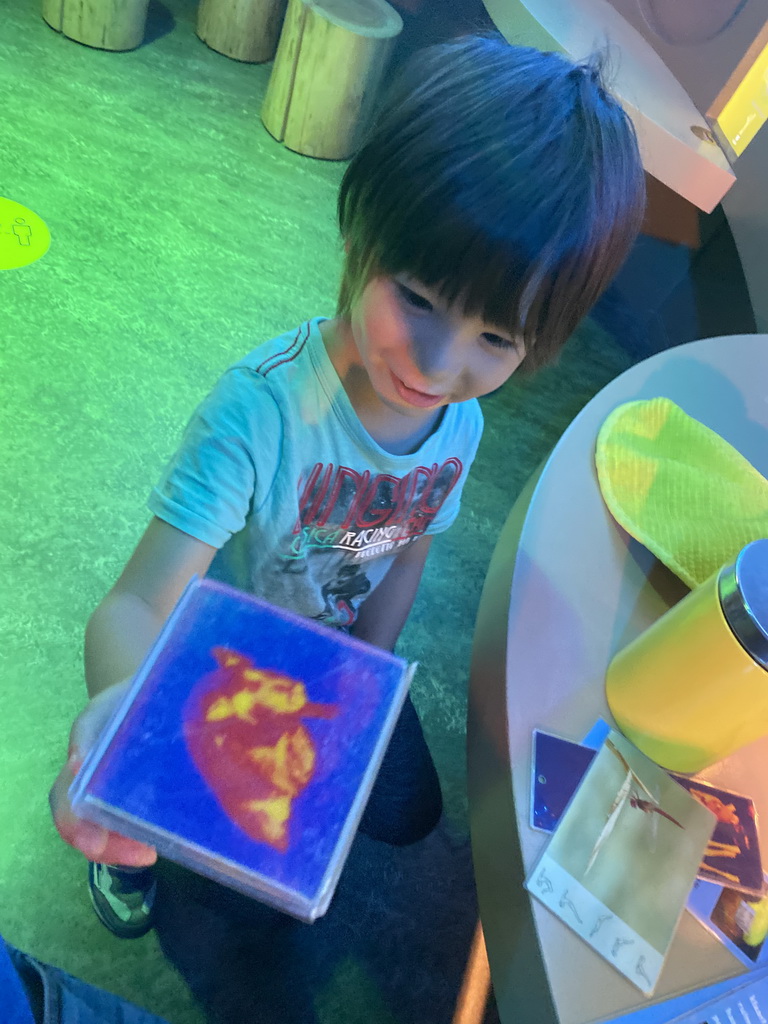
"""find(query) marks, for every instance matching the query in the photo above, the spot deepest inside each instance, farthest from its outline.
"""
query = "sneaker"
(123, 898)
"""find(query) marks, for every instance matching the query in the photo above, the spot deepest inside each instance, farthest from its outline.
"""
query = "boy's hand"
(95, 842)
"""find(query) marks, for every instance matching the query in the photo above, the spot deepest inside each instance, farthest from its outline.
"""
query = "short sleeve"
(227, 461)
(447, 485)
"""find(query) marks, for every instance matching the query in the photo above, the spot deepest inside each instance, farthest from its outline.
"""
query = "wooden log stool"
(243, 29)
(330, 60)
(104, 24)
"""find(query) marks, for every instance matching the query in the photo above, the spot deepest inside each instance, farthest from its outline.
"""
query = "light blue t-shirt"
(307, 510)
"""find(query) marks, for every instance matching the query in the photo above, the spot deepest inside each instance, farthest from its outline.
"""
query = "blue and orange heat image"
(249, 745)
(245, 732)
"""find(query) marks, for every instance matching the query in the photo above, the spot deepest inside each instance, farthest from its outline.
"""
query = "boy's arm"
(128, 620)
(382, 615)
(118, 636)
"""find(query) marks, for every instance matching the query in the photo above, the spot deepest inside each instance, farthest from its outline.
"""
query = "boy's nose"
(437, 357)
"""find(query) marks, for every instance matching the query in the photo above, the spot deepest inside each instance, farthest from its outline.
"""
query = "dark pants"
(245, 961)
(406, 802)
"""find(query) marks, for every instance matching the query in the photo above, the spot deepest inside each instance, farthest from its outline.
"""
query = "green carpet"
(182, 236)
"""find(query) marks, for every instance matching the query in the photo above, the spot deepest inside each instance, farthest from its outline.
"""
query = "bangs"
(484, 277)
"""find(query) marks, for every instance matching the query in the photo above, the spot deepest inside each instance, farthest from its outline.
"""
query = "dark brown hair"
(506, 178)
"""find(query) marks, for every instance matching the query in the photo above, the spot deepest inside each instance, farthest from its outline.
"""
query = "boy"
(498, 193)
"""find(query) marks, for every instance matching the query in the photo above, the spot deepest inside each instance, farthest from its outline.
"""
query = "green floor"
(182, 236)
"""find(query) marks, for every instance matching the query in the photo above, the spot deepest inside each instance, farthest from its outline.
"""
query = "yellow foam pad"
(679, 488)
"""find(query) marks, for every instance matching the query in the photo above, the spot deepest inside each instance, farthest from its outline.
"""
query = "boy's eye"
(414, 299)
(498, 342)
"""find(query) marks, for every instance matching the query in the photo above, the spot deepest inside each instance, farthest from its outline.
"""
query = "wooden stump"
(243, 29)
(104, 24)
(329, 63)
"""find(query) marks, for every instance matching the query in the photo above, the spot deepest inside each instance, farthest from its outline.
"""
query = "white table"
(566, 589)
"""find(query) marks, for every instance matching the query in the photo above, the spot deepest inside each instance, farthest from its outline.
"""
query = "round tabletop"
(567, 588)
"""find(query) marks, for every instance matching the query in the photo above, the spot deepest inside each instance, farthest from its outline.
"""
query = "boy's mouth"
(422, 399)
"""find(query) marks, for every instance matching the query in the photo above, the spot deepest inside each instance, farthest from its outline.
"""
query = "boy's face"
(420, 354)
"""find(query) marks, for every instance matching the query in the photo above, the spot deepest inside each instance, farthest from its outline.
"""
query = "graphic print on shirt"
(364, 515)
(350, 519)
(339, 594)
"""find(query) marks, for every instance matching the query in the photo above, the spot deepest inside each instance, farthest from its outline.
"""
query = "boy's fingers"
(90, 723)
(88, 838)
(96, 842)
(127, 852)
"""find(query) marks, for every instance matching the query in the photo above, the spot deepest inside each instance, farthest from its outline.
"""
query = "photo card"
(558, 768)
(622, 861)
(739, 920)
(732, 857)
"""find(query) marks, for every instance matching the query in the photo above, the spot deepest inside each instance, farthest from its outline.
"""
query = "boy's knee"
(409, 832)
(405, 825)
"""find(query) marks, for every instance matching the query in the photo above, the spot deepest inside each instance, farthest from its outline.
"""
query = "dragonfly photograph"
(624, 858)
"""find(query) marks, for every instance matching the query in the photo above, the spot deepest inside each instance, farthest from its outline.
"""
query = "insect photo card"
(623, 859)
(739, 920)
(732, 857)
